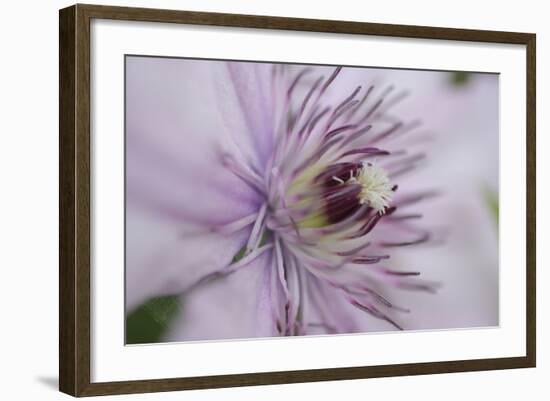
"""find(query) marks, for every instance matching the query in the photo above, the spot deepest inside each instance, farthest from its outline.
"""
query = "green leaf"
(148, 323)
(459, 78)
(491, 200)
(242, 252)
(239, 255)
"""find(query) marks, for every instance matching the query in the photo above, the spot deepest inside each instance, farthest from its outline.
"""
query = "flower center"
(349, 186)
(376, 190)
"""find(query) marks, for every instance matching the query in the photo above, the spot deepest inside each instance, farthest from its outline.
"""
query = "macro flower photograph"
(272, 199)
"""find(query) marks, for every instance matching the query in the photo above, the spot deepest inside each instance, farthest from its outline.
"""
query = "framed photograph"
(250, 200)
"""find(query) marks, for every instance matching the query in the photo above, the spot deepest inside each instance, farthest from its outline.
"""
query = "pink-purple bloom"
(272, 197)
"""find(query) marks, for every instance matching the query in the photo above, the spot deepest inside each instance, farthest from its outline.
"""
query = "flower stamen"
(376, 189)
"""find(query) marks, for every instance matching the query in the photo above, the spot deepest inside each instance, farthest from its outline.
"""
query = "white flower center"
(376, 188)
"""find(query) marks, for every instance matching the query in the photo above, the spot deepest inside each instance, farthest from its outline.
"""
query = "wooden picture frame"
(74, 199)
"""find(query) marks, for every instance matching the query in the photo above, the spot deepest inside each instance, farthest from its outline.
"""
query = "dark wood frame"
(74, 199)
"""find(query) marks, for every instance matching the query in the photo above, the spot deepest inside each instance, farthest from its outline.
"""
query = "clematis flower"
(271, 198)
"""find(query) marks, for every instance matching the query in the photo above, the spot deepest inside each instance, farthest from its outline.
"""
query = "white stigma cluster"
(376, 190)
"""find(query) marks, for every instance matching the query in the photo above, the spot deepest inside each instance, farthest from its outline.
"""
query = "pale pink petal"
(236, 306)
(175, 143)
(246, 101)
(163, 258)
